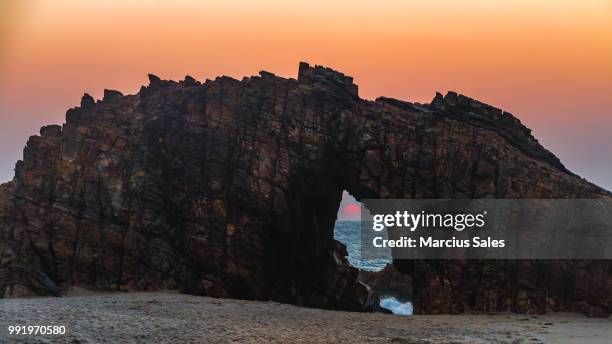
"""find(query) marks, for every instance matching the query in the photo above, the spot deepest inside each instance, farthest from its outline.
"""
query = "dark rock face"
(231, 188)
(388, 282)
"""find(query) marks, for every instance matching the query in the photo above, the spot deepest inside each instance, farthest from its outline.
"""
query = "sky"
(549, 62)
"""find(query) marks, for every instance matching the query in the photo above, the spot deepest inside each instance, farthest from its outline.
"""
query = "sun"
(352, 209)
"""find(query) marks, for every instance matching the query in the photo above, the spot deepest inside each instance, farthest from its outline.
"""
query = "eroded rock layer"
(231, 188)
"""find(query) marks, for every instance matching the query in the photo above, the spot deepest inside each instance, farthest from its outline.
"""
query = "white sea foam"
(395, 306)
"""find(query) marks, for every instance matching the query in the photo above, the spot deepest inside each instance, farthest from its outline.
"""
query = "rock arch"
(231, 188)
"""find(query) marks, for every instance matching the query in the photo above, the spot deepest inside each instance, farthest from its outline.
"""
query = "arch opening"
(379, 274)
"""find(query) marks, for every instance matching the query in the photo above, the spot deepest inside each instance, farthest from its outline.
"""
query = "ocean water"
(349, 233)
(399, 308)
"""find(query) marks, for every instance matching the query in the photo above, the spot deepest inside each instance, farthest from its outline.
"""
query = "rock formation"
(388, 282)
(231, 188)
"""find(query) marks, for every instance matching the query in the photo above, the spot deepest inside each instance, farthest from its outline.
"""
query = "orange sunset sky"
(548, 62)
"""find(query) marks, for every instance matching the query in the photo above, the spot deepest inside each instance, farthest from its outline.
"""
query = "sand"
(167, 317)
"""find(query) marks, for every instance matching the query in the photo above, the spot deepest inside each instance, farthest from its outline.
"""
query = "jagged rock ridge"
(230, 188)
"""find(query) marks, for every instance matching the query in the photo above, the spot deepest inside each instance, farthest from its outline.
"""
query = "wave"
(395, 306)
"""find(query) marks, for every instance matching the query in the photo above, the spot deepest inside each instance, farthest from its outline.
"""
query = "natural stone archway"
(231, 188)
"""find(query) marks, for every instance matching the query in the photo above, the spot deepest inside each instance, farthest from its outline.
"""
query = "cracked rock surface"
(231, 188)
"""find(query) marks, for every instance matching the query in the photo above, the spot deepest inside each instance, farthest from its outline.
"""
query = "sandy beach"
(168, 317)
